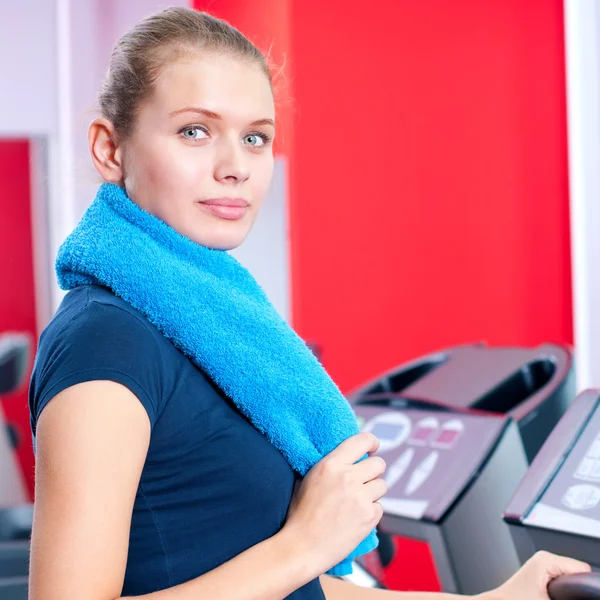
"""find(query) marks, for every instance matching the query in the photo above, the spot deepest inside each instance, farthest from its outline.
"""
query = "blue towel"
(214, 311)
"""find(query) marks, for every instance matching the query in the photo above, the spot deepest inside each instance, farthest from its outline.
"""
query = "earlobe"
(105, 150)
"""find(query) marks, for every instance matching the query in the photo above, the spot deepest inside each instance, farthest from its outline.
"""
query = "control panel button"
(581, 497)
(424, 430)
(421, 473)
(398, 468)
(451, 431)
(588, 469)
(585, 468)
(391, 428)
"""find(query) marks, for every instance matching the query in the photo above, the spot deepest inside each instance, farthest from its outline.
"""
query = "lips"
(240, 202)
(226, 208)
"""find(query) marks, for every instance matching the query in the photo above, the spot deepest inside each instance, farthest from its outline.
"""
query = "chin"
(220, 242)
(224, 246)
(217, 234)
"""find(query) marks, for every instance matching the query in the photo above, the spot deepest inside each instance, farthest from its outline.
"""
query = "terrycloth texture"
(214, 311)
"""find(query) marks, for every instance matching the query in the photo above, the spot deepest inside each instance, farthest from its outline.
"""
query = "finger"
(370, 468)
(553, 566)
(355, 447)
(376, 489)
(567, 566)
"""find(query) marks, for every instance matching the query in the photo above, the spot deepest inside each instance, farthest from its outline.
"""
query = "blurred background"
(436, 179)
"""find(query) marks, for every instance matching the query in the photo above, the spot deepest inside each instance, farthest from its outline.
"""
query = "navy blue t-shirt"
(212, 485)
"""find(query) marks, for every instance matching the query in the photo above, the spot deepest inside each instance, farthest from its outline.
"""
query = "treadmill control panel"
(571, 499)
(431, 455)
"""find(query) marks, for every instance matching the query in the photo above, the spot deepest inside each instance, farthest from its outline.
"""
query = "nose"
(231, 163)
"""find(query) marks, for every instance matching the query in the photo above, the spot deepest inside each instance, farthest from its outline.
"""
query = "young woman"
(150, 480)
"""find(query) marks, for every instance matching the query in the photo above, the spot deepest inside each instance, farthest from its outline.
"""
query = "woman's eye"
(256, 139)
(194, 133)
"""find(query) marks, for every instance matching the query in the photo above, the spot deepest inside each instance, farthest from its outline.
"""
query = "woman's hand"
(336, 505)
(531, 581)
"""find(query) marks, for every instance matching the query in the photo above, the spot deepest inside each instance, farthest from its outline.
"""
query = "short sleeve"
(99, 342)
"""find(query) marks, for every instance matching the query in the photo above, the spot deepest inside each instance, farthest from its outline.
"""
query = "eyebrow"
(209, 114)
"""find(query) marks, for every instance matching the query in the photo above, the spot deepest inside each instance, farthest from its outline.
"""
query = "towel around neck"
(213, 310)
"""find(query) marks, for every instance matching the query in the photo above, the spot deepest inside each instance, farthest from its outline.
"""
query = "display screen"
(386, 431)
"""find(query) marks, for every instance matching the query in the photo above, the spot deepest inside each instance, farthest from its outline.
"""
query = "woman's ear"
(105, 150)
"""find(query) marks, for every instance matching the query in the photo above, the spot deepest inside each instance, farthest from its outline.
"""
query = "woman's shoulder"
(93, 336)
(92, 323)
(93, 315)
(95, 305)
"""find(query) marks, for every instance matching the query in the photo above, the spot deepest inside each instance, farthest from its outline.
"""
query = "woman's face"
(201, 155)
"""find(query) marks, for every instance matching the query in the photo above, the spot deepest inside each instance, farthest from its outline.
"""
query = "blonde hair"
(141, 54)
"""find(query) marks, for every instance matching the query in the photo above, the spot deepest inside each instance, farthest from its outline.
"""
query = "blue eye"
(193, 132)
(258, 140)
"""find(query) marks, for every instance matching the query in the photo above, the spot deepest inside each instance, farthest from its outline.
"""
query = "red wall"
(17, 299)
(429, 184)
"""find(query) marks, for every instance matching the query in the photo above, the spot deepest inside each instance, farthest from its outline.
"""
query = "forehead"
(232, 87)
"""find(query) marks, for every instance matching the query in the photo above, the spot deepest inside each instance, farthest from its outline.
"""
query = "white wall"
(27, 67)
(582, 28)
(28, 109)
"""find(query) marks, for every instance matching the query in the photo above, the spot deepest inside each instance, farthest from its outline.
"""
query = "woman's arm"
(529, 583)
(337, 589)
(92, 441)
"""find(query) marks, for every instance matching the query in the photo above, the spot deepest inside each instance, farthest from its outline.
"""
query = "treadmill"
(557, 505)
(16, 515)
(450, 473)
(14, 358)
(531, 386)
